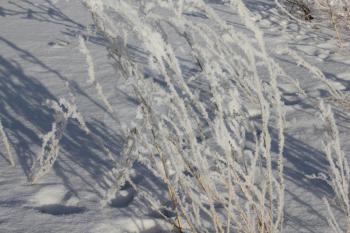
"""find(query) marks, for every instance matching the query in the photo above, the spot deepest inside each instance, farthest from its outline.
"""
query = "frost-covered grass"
(212, 134)
(198, 146)
(210, 144)
(338, 8)
(336, 13)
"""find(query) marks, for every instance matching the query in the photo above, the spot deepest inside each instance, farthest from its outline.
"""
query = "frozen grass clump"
(206, 132)
(63, 111)
(213, 153)
(338, 172)
(336, 13)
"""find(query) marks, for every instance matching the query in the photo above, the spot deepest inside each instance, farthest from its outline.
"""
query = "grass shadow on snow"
(301, 161)
(49, 13)
(58, 210)
(25, 117)
(45, 12)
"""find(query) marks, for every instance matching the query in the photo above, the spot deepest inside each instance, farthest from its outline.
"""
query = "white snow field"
(172, 116)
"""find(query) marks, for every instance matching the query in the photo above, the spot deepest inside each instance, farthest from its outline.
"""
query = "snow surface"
(39, 52)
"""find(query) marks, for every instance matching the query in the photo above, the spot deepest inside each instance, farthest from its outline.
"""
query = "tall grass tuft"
(207, 151)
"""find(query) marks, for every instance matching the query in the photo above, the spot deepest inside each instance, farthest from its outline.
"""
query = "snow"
(40, 53)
